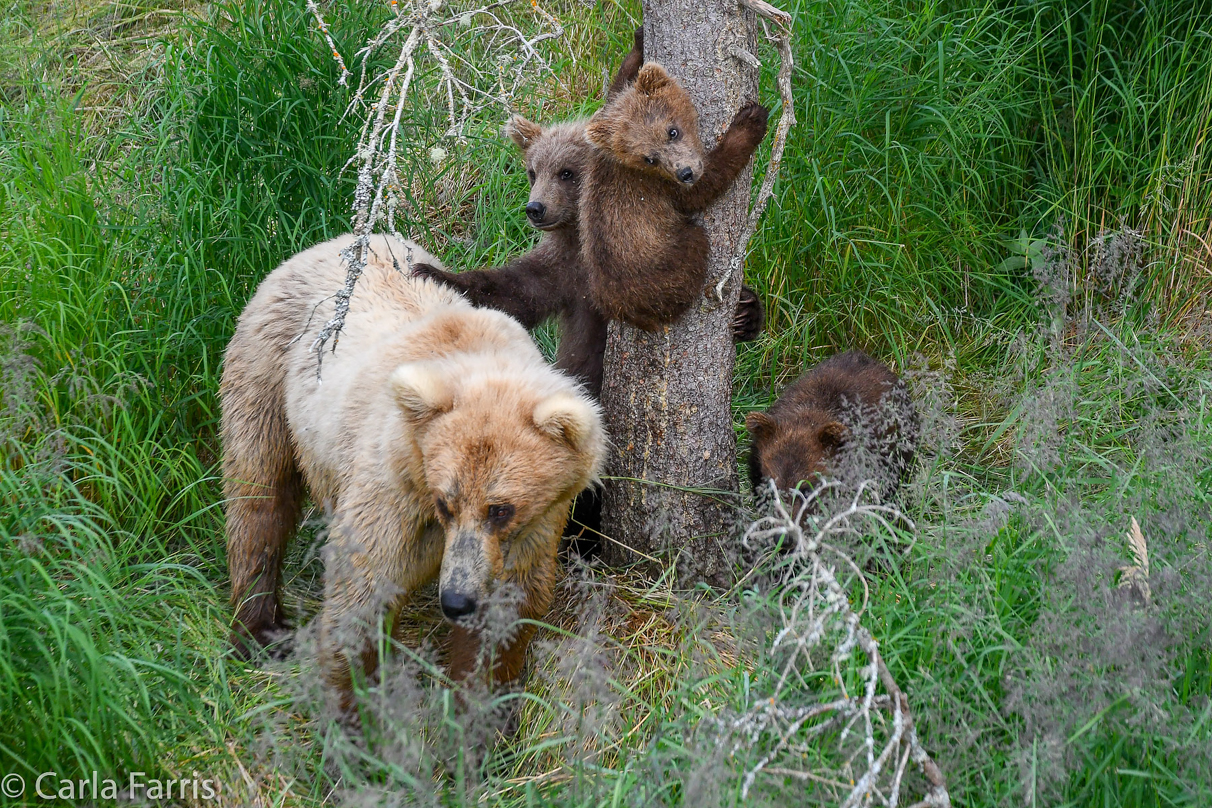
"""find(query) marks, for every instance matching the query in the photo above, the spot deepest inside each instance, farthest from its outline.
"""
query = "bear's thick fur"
(849, 417)
(645, 257)
(550, 280)
(438, 439)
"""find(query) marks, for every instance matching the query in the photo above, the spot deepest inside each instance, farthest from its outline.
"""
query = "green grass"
(154, 167)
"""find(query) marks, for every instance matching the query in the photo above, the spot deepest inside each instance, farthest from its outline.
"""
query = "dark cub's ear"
(832, 435)
(522, 132)
(601, 128)
(760, 425)
(651, 78)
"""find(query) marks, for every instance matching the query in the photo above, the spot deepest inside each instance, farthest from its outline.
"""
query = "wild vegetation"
(1005, 201)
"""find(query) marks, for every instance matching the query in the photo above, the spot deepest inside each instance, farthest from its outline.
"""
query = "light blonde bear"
(439, 439)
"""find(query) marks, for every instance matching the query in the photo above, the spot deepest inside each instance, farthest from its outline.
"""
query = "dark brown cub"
(849, 418)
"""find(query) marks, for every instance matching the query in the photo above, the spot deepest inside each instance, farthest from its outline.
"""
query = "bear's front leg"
(529, 288)
(729, 157)
(507, 660)
(369, 571)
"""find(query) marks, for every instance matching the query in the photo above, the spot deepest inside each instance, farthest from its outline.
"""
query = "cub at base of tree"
(441, 442)
(645, 257)
(850, 417)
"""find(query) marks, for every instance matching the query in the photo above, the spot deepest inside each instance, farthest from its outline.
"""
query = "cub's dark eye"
(443, 511)
(498, 515)
(566, 175)
(530, 174)
(674, 133)
(650, 161)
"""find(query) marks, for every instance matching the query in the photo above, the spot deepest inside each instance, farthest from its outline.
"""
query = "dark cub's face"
(556, 158)
(793, 455)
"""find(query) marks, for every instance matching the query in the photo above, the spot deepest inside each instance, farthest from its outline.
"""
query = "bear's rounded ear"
(651, 78)
(522, 132)
(421, 391)
(760, 425)
(600, 130)
(570, 419)
(833, 434)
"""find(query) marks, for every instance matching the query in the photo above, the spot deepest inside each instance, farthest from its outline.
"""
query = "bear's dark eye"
(498, 515)
(650, 161)
(566, 175)
(443, 511)
(674, 132)
(530, 174)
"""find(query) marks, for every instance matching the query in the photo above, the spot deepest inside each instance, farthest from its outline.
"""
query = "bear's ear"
(833, 434)
(522, 132)
(652, 78)
(569, 419)
(760, 425)
(600, 130)
(421, 391)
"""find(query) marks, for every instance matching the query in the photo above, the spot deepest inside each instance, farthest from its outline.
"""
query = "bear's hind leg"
(264, 492)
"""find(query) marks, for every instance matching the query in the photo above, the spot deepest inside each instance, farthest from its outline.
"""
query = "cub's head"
(652, 126)
(503, 453)
(556, 158)
(793, 454)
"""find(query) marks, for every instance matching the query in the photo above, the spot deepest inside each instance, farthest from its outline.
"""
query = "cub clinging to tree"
(550, 280)
(443, 444)
(645, 257)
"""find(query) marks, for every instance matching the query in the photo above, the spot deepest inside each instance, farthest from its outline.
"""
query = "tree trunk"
(667, 396)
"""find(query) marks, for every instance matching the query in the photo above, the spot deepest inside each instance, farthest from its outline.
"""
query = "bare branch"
(429, 29)
(782, 42)
(816, 613)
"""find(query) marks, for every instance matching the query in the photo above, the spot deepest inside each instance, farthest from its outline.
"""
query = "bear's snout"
(686, 175)
(456, 604)
(535, 211)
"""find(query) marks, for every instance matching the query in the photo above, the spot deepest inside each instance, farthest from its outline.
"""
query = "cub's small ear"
(833, 434)
(651, 78)
(600, 130)
(522, 132)
(421, 391)
(760, 425)
(570, 419)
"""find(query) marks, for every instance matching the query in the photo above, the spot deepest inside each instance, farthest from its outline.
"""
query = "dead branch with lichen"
(871, 724)
(425, 36)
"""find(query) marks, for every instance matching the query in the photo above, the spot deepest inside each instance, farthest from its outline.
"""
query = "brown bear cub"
(849, 418)
(440, 441)
(644, 255)
(550, 280)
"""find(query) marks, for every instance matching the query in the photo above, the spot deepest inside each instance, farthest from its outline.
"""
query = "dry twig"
(815, 608)
(782, 42)
(431, 35)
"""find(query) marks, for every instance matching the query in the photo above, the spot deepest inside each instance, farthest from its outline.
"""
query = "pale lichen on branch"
(781, 37)
(874, 731)
(446, 40)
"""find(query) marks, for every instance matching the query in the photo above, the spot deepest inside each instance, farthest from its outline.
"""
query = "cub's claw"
(427, 271)
(753, 116)
(749, 318)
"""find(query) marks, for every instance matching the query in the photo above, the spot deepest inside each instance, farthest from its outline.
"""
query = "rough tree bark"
(667, 395)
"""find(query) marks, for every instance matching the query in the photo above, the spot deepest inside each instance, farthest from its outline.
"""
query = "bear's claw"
(427, 271)
(749, 318)
(752, 116)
